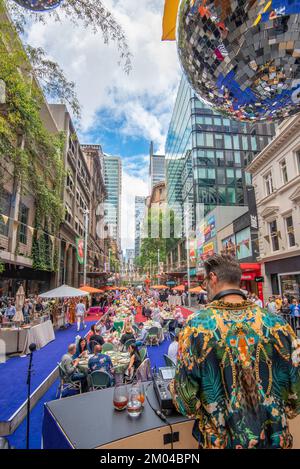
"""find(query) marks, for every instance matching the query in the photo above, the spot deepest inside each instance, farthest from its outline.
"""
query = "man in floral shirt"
(238, 370)
(101, 362)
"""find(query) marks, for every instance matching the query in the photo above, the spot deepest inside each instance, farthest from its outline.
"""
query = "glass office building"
(112, 204)
(156, 168)
(206, 153)
(139, 210)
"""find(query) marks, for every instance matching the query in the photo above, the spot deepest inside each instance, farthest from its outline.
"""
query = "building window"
(269, 183)
(70, 182)
(68, 214)
(290, 231)
(274, 235)
(298, 160)
(209, 140)
(228, 142)
(5, 198)
(284, 173)
(23, 219)
(231, 195)
(219, 140)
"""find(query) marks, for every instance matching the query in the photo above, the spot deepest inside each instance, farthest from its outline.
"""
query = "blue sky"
(121, 112)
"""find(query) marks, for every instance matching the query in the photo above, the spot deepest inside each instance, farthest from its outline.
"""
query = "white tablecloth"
(174, 300)
(40, 335)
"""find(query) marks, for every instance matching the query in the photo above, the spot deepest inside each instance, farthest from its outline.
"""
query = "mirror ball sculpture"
(242, 57)
(39, 5)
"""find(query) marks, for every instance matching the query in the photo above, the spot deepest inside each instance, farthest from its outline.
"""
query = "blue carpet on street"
(18, 438)
(13, 373)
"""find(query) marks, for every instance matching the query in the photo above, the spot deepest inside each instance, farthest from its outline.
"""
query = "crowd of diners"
(130, 338)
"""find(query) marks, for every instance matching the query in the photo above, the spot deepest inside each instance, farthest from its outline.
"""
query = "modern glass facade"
(206, 153)
(112, 204)
(139, 203)
(156, 168)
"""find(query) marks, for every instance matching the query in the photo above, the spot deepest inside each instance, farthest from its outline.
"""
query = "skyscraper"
(139, 203)
(156, 168)
(112, 204)
(206, 153)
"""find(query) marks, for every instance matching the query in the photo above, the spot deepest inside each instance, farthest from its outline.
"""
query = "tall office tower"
(112, 204)
(139, 203)
(206, 153)
(156, 168)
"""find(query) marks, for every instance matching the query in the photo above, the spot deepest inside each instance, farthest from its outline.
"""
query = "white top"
(259, 303)
(80, 309)
(172, 351)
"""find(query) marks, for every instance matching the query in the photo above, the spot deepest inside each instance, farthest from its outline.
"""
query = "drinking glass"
(140, 390)
(134, 405)
(120, 398)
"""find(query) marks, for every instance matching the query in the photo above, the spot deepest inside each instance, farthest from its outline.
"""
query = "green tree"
(150, 245)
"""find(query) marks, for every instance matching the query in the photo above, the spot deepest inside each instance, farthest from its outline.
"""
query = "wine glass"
(120, 398)
(134, 405)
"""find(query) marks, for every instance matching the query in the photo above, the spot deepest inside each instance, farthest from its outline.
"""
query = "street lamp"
(158, 266)
(86, 227)
(187, 255)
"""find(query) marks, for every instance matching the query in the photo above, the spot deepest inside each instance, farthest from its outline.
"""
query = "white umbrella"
(64, 291)
(20, 298)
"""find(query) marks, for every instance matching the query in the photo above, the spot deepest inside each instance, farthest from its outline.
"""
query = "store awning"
(179, 288)
(250, 267)
(64, 291)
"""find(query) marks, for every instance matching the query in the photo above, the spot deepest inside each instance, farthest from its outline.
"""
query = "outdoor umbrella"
(179, 288)
(196, 289)
(89, 289)
(20, 298)
(159, 287)
(64, 291)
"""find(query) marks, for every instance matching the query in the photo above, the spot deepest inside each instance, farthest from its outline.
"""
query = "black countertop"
(89, 420)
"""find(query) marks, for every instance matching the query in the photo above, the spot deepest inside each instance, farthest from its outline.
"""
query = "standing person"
(10, 310)
(27, 309)
(80, 314)
(228, 357)
(285, 306)
(258, 301)
(295, 313)
(278, 302)
(271, 305)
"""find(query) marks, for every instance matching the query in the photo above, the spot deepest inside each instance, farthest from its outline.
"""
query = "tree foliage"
(150, 245)
(91, 14)
(35, 155)
(52, 79)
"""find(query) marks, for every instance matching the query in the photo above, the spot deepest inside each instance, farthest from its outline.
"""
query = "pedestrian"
(271, 305)
(80, 314)
(295, 313)
(258, 301)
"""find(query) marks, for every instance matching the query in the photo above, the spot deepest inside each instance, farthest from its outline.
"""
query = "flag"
(31, 230)
(80, 250)
(5, 219)
(169, 20)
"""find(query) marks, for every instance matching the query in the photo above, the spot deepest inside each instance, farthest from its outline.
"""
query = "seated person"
(173, 350)
(91, 332)
(128, 334)
(141, 337)
(109, 324)
(101, 362)
(10, 310)
(102, 326)
(95, 339)
(81, 349)
(69, 365)
(179, 317)
(135, 361)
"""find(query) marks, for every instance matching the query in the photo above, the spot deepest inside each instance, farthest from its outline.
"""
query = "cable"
(160, 415)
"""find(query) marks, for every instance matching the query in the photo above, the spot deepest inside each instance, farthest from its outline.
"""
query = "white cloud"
(131, 186)
(142, 101)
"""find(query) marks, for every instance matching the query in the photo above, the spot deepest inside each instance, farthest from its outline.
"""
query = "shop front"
(284, 276)
(252, 280)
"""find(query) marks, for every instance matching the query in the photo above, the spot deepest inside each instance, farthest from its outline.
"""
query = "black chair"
(66, 382)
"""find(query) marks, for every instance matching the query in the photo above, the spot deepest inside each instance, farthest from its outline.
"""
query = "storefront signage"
(170, 283)
(259, 279)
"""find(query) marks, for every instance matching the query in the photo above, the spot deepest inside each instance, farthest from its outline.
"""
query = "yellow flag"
(5, 219)
(169, 20)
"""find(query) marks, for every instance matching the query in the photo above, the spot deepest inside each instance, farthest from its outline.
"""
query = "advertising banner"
(80, 250)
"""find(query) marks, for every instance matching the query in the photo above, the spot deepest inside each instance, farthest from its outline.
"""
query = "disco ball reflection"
(39, 5)
(242, 56)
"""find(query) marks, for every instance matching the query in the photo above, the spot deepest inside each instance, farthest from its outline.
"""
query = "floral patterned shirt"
(238, 375)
